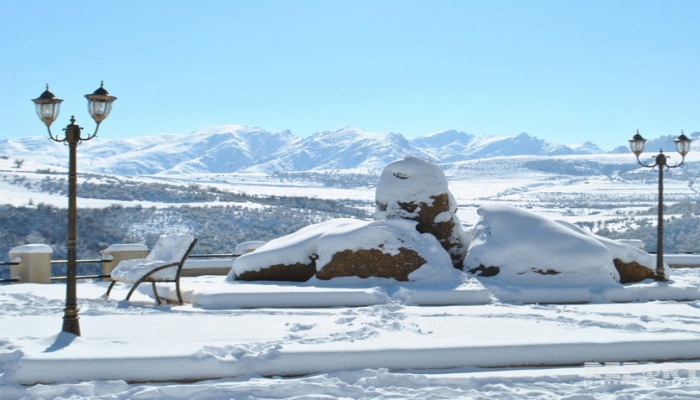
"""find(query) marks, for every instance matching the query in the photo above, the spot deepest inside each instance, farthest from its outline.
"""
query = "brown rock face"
(482, 270)
(298, 272)
(444, 231)
(372, 262)
(633, 271)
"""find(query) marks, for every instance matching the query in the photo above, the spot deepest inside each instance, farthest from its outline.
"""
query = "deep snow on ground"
(455, 337)
(461, 337)
(303, 343)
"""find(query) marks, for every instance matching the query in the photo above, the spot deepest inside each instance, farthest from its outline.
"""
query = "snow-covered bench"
(163, 264)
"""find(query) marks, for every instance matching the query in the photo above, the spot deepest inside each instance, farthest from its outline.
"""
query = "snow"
(313, 348)
(683, 260)
(125, 247)
(171, 248)
(245, 247)
(167, 250)
(445, 334)
(426, 180)
(135, 269)
(32, 249)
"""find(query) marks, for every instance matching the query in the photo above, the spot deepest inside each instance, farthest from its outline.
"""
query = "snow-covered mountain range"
(235, 148)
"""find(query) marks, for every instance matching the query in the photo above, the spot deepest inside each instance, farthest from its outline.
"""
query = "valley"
(607, 193)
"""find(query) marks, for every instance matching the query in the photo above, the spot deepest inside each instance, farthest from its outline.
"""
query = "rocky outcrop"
(297, 272)
(349, 248)
(415, 228)
(417, 190)
(287, 258)
(633, 271)
(372, 263)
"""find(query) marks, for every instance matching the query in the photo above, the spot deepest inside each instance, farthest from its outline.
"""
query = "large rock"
(384, 249)
(287, 258)
(417, 190)
(349, 248)
(517, 247)
(367, 263)
(633, 271)
(297, 272)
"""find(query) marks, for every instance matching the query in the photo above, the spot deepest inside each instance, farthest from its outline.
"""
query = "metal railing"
(102, 261)
(225, 255)
(88, 261)
(8, 264)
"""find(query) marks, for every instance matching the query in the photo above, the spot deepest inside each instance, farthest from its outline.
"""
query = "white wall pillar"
(116, 253)
(34, 263)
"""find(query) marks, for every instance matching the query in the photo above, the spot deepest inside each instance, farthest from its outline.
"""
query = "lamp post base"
(71, 321)
(660, 276)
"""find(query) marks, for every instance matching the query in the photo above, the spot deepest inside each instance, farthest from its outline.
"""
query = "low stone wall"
(34, 262)
(682, 260)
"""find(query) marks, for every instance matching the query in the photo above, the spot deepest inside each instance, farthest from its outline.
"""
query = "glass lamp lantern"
(637, 144)
(683, 144)
(100, 103)
(47, 106)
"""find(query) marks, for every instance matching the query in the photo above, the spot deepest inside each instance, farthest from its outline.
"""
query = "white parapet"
(682, 260)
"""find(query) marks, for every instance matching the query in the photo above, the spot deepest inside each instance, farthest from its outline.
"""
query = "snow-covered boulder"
(518, 247)
(288, 258)
(632, 263)
(383, 249)
(417, 190)
(349, 247)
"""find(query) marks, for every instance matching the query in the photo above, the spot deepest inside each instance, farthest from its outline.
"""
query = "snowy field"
(349, 341)
(573, 198)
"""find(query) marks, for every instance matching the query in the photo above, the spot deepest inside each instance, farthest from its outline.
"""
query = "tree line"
(218, 228)
(681, 233)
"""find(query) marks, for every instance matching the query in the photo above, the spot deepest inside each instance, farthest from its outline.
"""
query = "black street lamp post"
(661, 161)
(47, 107)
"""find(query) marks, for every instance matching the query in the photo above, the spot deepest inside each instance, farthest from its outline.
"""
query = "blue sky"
(567, 71)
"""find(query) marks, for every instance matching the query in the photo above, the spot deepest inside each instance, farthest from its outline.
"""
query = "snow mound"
(529, 249)
(392, 186)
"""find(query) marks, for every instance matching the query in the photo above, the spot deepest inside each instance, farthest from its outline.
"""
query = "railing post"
(114, 254)
(34, 263)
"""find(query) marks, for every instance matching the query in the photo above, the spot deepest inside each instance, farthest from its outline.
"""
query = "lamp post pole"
(47, 107)
(70, 316)
(661, 161)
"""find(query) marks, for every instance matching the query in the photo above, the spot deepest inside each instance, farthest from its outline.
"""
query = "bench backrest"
(172, 248)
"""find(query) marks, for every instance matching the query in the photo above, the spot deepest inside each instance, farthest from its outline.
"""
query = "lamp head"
(637, 144)
(100, 103)
(47, 106)
(683, 144)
